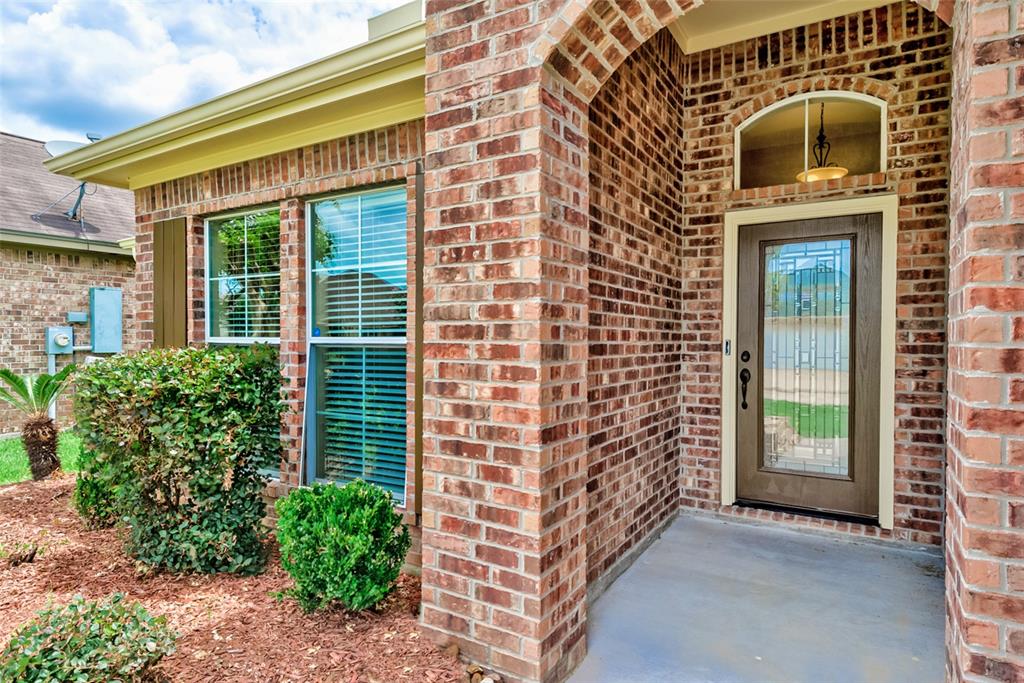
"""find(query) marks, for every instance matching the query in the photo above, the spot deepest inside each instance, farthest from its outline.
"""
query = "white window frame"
(883, 137)
(208, 253)
(309, 474)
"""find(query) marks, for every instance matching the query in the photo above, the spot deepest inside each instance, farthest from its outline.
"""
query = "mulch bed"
(230, 628)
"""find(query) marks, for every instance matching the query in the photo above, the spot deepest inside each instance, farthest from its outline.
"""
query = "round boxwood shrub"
(177, 439)
(344, 544)
(88, 642)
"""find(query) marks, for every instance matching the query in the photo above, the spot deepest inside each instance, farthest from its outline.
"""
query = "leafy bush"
(88, 642)
(96, 490)
(176, 441)
(341, 543)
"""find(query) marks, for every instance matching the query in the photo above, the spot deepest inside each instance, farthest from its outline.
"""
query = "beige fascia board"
(697, 42)
(288, 140)
(399, 50)
(16, 237)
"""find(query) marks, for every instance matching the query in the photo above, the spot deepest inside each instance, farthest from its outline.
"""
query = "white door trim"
(888, 206)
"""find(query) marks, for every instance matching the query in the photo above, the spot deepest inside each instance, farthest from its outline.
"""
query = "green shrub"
(179, 437)
(96, 490)
(88, 642)
(341, 543)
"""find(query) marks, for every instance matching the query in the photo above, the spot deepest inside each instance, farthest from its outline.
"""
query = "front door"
(808, 315)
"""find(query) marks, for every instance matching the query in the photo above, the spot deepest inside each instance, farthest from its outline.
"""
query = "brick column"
(985, 478)
(293, 334)
(195, 280)
(504, 346)
(144, 286)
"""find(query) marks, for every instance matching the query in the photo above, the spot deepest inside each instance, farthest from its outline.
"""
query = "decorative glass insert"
(358, 320)
(243, 276)
(808, 289)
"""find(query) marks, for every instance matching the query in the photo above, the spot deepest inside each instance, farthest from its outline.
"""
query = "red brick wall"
(386, 156)
(508, 87)
(985, 477)
(656, 229)
(38, 286)
(899, 53)
(634, 364)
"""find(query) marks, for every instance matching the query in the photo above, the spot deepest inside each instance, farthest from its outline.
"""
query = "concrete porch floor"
(724, 602)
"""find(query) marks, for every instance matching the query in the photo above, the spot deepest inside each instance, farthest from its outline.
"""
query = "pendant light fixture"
(823, 169)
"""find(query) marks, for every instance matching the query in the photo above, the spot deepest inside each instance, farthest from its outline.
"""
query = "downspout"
(418, 384)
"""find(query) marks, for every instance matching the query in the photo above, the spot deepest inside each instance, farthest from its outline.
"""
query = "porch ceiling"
(721, 22)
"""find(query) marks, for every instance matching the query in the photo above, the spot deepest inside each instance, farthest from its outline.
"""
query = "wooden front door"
(807, 385)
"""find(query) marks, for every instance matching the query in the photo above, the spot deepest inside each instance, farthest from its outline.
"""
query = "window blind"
(358, 330)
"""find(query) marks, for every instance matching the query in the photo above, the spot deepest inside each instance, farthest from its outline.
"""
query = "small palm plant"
(33, 396)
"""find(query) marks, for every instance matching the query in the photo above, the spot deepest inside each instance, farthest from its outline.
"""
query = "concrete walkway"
(727, 602)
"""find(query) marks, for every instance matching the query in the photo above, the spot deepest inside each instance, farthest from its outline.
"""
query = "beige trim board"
(888, 206)
(117, 248)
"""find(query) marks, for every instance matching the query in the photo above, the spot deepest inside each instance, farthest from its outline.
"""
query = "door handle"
(744, 378)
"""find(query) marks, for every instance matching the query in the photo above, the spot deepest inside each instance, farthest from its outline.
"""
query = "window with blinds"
(243, 278)
(358, 337)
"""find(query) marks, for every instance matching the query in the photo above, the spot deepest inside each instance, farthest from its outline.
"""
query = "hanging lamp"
(823, 169)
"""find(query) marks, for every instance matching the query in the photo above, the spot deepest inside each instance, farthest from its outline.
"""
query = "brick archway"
(588, 39)
(505, 338)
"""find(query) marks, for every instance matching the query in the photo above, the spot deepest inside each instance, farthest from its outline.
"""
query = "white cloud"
(71, 66)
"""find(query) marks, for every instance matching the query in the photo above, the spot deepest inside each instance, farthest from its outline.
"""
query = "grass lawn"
(822, 421)
(14, 462)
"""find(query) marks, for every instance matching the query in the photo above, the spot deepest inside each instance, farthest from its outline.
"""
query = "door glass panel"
(806, 356)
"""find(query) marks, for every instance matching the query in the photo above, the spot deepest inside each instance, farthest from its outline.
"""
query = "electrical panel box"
(105, 319)
(60, 339)
(78, 317)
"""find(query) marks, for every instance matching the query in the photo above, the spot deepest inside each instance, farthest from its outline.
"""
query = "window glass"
(243, 276)
(359, 266)
(779, 145)
(358, 333)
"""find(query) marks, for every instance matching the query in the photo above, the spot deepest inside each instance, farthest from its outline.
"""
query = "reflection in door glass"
(806, 363)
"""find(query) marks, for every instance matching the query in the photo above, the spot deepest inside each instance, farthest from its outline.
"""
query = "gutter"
(401, 47)
(123, 247)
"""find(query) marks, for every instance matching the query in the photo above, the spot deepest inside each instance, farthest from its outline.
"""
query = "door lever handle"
(744, 378)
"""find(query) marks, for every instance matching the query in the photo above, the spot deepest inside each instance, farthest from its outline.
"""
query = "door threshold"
(808, 512)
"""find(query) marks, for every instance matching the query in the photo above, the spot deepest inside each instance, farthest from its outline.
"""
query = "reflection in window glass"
(243, 276)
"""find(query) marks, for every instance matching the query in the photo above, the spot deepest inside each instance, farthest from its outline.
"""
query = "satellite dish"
(57, 147)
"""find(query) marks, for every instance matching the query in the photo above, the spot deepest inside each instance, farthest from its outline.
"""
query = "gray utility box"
(105, 319)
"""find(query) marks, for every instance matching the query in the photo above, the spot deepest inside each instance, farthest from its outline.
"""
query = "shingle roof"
(26, 188)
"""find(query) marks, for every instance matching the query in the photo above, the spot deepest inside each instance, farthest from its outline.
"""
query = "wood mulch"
(231, 628)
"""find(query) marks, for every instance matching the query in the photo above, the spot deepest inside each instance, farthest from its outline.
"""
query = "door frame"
(888, 206)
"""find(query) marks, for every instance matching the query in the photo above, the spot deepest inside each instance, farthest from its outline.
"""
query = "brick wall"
(381, 157)
(634, 363)
(985, 506)
(38, 287)
(656, 229)
(901, 54)
(508, 92)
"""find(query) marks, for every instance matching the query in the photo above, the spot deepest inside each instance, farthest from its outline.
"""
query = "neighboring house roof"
(372, 85)
(27, 189)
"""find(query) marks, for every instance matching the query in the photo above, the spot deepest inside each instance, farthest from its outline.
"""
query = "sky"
(71, 67)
